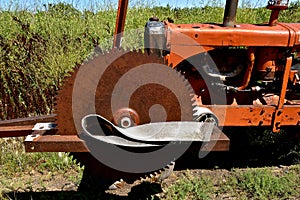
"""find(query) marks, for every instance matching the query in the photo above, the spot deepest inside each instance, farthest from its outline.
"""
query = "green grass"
(189, 187)
(13, 159)
(262, 183)
(28, 172)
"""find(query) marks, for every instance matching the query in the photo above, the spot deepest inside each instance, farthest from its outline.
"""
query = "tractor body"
(256, 63)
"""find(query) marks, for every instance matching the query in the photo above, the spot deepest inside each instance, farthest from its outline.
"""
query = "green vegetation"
(262, 183)
(21, 172)
(191, 187)
(38, 49)
(13, 159)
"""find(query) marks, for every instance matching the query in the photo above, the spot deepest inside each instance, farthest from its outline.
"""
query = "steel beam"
(54, 143)
(28, 120)
(120, 23)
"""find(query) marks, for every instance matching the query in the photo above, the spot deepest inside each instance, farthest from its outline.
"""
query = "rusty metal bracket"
(54, 143)
(277, 117)
(43, 139)
(28, 120)
(15, 131)
(218, 142)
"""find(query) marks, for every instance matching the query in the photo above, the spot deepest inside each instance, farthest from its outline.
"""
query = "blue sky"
(95, 4)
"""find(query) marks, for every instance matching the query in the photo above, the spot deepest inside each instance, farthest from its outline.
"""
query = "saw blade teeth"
(168, 170)
(98, 50)
(159, 175)
(105, 52)
(185, 81)
(171, 165)
(191, 90)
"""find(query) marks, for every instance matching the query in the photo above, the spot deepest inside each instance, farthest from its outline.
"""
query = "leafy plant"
(189, 187)
(263, 184)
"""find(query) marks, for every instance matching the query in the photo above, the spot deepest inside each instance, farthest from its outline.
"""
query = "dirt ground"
(39, 185)
(47, 185)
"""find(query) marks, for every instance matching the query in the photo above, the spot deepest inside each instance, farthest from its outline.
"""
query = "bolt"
(125, 122)
(279, 113)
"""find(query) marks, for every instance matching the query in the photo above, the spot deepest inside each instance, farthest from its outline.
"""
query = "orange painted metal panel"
(247, 115)
(242, 35)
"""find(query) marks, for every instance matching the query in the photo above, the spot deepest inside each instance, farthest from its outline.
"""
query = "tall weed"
(39, 48)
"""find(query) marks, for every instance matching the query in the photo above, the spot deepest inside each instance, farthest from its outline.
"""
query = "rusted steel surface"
(276, 7)
(120, 22)
(54, 143)
(230, 13)
(20, 131)
(248, 73)
(141, 100)
(22, 126)
(279, 110)
(274, 17)
(218, 142)
(15, 131)
(28, 120)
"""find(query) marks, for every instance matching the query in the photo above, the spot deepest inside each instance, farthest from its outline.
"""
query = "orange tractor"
(134, 111)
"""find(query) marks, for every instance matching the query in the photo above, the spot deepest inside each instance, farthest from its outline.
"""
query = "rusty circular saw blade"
(178, 105)
(152, 101)
(63, 107)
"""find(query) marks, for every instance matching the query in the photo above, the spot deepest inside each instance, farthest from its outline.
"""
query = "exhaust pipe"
(230, 13)
(276, 7)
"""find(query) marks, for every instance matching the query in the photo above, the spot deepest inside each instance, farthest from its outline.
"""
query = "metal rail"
(120, 23)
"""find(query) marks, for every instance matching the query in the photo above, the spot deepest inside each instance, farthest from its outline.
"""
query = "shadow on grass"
(91, 187)
(145, 190)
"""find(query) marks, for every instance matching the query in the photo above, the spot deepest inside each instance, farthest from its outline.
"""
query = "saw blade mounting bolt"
(126, 117)
(126, 122)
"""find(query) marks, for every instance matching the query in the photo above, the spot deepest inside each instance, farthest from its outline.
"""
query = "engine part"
(154, 37)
